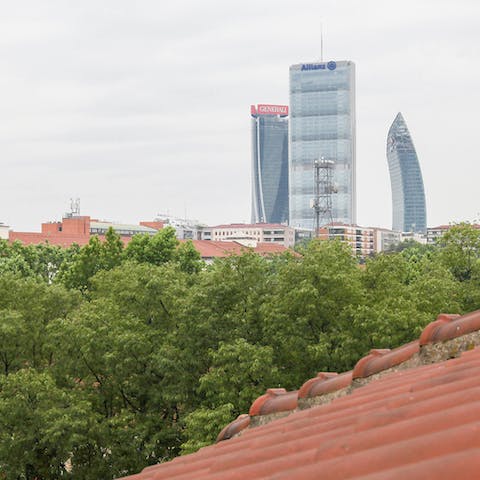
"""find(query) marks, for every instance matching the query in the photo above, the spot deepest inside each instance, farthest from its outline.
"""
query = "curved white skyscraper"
(322, 126)
(408, 196)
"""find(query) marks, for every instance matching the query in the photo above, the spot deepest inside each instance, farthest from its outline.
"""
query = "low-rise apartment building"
(360, 239)
(79, 228)
(259, 232)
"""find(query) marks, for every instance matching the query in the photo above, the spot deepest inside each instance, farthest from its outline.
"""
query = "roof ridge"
(437, 342)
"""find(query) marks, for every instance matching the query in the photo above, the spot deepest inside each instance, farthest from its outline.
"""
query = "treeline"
(113, 358)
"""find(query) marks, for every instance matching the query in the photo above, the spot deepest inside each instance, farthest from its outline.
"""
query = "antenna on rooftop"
(324, 188)
(321, 42)
(75, 207)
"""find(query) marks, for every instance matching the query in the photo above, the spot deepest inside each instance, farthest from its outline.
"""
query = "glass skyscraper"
(322, 125)
(269, 163)
(408, 195)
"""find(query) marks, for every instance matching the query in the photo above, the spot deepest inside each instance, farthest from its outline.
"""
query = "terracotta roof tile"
(379, 360)
(219, 249)
(324, 383)
(447, 327)
(419, 422)
(275, 400)
(242, 422)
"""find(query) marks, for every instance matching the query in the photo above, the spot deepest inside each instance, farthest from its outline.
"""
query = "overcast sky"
(141, 107)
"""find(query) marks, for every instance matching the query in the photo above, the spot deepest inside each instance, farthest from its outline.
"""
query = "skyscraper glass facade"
(408, 195)
(322, 125)
(269, 164)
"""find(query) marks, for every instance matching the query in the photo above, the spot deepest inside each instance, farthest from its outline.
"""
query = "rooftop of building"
(105, 225)
(412, 412)
(252, 225)
(209, 249)
(447, 227)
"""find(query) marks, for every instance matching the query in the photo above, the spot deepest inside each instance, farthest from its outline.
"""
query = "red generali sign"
(272, 109)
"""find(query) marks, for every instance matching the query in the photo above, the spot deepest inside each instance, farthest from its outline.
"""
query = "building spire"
(321, 42)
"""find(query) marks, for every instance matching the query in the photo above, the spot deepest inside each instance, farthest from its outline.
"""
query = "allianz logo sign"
(320, 66)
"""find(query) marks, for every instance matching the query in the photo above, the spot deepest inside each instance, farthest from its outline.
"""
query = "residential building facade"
(435, 233)
(408, 195)
(79, 228)
(4, 229)
(384, 239)
(256, 233)
(322, 126)
(360, 239)
(186, 229)
(269, 163)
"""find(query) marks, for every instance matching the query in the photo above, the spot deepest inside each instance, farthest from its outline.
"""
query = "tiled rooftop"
(208, 249)
(214, 249)
(408, 413)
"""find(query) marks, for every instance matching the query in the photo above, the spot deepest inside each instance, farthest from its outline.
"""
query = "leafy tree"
(189, 258)
(309, 307)
(90, 259)
(111, 251)
(13, 341)
(238, 373)
(12, 260)
(203, 425)
(460, 250)
(41, 260)
(157, 249)
(40, 426)
(151, 293)
(27, 305)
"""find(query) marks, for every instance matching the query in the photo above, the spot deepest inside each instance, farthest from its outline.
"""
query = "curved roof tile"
(275, 400)
(379, 360)
(323, 383)
(447, 327)
(240, 423)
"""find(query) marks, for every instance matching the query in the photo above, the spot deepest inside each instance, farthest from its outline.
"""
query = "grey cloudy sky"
(140, 107)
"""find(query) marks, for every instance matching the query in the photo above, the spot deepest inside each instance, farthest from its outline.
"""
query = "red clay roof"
(401, 414)
(214, 249)
(61, 239)
(207, 248)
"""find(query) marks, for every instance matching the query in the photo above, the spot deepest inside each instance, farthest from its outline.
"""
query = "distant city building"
(322, 127)
(384, 239)
(418, 237)
(269, 163)
(186, 229)
(251, 234)
(365, 241)
(4, 229)
(360, 239)
(408, 195)
(435, 233)
(79, 228)
(209, 251)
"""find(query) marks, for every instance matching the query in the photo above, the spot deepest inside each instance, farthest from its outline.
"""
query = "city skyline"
(140, 108)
